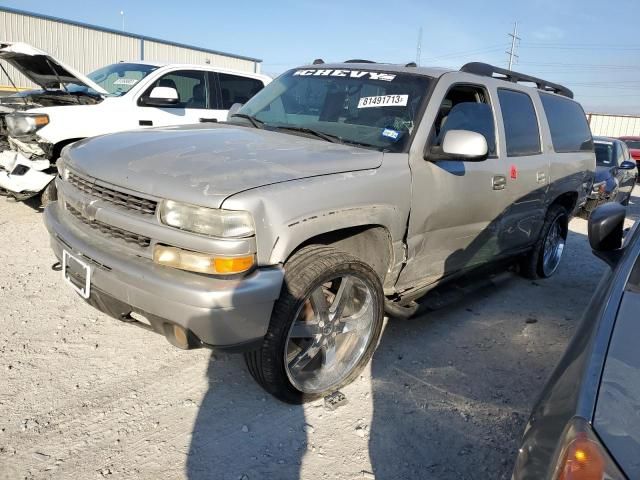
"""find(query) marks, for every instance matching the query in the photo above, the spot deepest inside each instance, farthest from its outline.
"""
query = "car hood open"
(204, 164)
(41, 68)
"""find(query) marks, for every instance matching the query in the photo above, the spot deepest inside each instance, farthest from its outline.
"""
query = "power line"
(514, 39)
(419, 48)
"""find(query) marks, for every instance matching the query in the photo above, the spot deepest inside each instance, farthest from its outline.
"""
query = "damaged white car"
(36, 125)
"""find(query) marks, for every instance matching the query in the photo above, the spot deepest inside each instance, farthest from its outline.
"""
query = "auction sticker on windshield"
(383, 101)
(125, 81)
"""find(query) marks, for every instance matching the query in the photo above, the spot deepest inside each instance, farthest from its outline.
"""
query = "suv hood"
(204, 164)
(39, 66)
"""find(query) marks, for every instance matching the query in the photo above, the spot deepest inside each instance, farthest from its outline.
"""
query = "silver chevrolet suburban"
(336, 194)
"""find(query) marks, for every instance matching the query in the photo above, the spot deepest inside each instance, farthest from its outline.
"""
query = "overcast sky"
(592, 47)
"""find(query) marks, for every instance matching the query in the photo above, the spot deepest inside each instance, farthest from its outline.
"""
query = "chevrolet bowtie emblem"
(89, 210)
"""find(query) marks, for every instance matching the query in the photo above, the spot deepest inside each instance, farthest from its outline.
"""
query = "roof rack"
(357, 60)
(486, 70)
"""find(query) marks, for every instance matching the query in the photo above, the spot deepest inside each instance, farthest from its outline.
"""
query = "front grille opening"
(110, 230)
(125, 200)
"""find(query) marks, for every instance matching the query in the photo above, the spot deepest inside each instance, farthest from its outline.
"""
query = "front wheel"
(324, 327)
(544, 259)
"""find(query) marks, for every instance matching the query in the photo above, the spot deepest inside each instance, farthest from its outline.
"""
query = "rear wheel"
(324, 327)
(543, 261)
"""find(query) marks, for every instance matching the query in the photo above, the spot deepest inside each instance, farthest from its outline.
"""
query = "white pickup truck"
(35, 125)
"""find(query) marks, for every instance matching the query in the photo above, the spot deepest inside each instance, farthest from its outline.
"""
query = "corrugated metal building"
(613, 125)
(87, 47)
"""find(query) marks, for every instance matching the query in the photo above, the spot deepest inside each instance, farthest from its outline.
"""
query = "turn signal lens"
(582, 457)
(227, 265)
(201, 262)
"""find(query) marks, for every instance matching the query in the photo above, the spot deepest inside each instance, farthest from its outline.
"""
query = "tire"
(307, 274)
(49, 194)
(533, 265)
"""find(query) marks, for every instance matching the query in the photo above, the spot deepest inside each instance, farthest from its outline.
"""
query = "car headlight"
(582, 456)
(20, 124)
(598, 187)
(63, 170)
(207, 221)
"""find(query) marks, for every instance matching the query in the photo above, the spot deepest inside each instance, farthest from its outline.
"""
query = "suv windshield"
(605, 153)
(119, 78)
(368, 108)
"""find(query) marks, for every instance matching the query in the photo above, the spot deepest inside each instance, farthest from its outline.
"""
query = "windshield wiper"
(254, 121)
(325, 136)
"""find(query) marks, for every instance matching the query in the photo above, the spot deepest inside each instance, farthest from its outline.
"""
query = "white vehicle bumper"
(21, 176)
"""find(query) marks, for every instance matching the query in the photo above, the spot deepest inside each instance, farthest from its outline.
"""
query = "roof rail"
(486, 70)
(357, 60)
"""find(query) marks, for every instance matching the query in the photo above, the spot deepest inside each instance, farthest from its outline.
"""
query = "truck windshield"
(368, 108)
(119, 78)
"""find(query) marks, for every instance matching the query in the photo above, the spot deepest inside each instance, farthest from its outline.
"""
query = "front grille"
(110, 230)
(125, 200)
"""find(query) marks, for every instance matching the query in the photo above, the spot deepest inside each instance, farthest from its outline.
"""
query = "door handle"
(208, 120)
(499, 182)
(541, 177)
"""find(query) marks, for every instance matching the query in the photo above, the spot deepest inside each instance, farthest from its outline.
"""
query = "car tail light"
(582, 456)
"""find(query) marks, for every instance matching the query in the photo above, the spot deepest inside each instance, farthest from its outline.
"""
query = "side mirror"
(162, 97)
(606, 232)
(460, 145)
(628, 165)
(235, 107)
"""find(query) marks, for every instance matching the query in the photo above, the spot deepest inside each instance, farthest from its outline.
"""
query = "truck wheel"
(324, 327)
(49, 194)
(544, 259)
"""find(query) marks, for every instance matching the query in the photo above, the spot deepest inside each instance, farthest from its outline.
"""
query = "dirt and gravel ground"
(446, 396)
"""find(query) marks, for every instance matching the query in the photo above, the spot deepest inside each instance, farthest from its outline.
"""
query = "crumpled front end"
(25, 169)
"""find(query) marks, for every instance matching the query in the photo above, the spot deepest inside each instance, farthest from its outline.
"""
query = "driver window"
(466, 107)
(190, 85)
(623, 153)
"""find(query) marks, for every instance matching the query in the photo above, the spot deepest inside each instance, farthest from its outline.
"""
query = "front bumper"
(21, 176)
(231, 314)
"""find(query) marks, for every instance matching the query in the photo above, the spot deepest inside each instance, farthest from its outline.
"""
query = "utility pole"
(419, 48)
(514, 40)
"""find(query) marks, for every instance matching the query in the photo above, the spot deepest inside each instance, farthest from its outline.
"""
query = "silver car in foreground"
(335, 194)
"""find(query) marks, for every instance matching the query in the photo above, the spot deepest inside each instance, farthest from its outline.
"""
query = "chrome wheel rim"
(553, 248)
(330, 334)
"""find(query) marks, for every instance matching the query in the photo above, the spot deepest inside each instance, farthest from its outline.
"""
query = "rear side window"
(522, 134)
(568, 124)
(237, 89)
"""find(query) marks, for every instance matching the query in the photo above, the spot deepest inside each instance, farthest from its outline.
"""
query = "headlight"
(598, 187)
(582, 456)
(20, 124)
(207, 221)
(63, 170)
(201, 262)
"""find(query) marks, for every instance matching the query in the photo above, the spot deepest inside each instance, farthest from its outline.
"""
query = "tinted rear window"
(569, 128)
(520, 123)
(237, 89)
